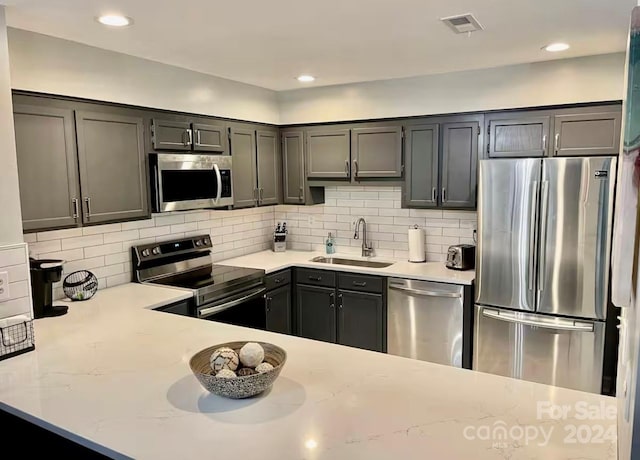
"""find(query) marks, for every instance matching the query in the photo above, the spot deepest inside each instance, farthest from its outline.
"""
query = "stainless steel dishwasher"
(425, 321)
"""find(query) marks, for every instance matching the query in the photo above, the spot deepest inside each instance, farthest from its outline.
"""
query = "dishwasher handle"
(430, 293)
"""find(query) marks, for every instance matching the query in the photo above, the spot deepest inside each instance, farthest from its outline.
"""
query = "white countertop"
(430, 271)
(114, 375)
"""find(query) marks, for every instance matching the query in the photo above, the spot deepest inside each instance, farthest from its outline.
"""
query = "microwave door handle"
(219, 179)
(206, 312)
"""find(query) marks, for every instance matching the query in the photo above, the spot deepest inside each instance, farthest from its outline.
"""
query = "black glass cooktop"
(220, 276)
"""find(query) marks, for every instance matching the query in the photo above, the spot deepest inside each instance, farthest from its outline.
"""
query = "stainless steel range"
(222, 293)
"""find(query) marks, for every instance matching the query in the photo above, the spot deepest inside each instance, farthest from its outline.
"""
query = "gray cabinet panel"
(209, 138)
(328, 154)
(520, 136)
(582, 134)
(112, 166)
(459, 164)
(269, 167)
(243, 151)
(316, 312)
(171, 135)
(293, 167)
(47, 166)
(377, 152)
(278, 307)
(360, 320)
(421, 151)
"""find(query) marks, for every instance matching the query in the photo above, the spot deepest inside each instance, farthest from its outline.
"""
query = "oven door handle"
(219, 179)
(206, 312)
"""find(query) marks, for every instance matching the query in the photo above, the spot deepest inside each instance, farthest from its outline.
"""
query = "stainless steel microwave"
(180, 182)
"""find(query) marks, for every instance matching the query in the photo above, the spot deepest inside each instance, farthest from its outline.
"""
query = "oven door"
(182, 182)
(242, 309)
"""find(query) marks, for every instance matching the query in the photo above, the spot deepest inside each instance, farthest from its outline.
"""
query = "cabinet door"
(328, 154)
(360, 320)
(316, 312)
(47, 167)
(459, 164)
(520, 136)
(171, 135)
(113, 176)
(269, 167)
(293, 167)
(421, 151)
(587, 134)
(278, 306)
(243, 152)
(377, 152)
(209, 138)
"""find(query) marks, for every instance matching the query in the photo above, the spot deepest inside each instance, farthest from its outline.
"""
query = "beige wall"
(587, 79)
(52, 65)
(10, 216)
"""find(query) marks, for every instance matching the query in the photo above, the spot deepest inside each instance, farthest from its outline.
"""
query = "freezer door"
(507, 227)
(575, 236)
(545, 349)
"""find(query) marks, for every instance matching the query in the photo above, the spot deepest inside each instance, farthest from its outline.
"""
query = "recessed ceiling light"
(114, 20)
(306, 78)
(555, 47)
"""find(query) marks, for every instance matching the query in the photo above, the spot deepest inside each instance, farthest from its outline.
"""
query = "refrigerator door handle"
(531, 266)
(544, 218)
(538, 321)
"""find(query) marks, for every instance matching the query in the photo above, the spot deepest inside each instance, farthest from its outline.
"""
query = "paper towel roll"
(416, 245)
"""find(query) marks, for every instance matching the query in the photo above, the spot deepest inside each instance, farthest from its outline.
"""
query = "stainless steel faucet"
(367, 250)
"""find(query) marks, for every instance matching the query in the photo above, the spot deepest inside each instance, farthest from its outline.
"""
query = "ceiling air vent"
(462, 23)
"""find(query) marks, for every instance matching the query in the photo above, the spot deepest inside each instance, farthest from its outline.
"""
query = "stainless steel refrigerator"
(544, 236)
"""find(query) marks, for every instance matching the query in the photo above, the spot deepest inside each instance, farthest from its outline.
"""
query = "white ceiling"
(269, 42)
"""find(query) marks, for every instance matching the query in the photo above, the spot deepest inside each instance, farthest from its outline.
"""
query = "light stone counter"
(430, 271)
(114, 375)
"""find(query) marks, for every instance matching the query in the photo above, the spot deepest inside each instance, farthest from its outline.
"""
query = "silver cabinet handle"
(255, 194)
(219, 180)
(190, 135)
(332, 300)
(75, 209)
(355, 168)
(87, 201)
(301, 194)
(261, 194)
(340, 301)
(544, 142)
(434, 194)
(544, 211)
(399, 287)
(531, 266)
(536, 321)
(444, 194)
(557, 143)
(198, 137)
(346, 167)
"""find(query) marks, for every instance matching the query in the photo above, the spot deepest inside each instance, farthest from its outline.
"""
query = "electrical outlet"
(312, 220)
(4, 286)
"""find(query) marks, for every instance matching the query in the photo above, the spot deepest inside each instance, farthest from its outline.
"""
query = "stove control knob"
(145, 253)
(198, 242)
(155, 251)
(206, 241)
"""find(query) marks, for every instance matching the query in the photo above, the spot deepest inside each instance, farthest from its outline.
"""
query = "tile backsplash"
(14, 261)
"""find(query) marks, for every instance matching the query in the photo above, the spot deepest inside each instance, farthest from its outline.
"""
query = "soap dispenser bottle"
(330, 246)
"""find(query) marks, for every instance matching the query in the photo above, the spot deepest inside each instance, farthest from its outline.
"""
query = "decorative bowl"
(241, 386)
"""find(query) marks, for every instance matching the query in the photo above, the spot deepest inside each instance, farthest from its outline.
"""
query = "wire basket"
(16, 337)
(80, 285)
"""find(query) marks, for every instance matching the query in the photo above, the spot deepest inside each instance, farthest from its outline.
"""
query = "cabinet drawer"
(278, 279)
(316, 277)
(360, 283)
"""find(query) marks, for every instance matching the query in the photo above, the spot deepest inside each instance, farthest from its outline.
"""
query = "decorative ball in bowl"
(238, 369)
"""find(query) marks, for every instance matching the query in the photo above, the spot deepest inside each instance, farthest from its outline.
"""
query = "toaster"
(461, 257)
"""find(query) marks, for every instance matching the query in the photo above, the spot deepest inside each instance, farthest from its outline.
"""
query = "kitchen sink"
(354, 262)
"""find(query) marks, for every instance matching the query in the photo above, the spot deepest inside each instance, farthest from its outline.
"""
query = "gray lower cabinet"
(328, 154)
(594, 133)
(47, 166)
(316, 312)
(269, 169)
(244, 179)
(459, 164)
(293, 182)
(278, 310)
(171, 135)
(518, 135)
(360, 320)
(209, 138)
(422, 161)
(112, 166)
(376, 152)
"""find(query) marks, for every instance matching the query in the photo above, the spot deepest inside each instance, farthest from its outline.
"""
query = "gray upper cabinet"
(209, 138)
(518, 135)
(47, 166)
(269, 167)
(421, 151)
(171, 135)
(243, 152)
(112, 166)
(595, 133)
(328, 153)
(377, 152)
(459, 164)
(293, 167)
